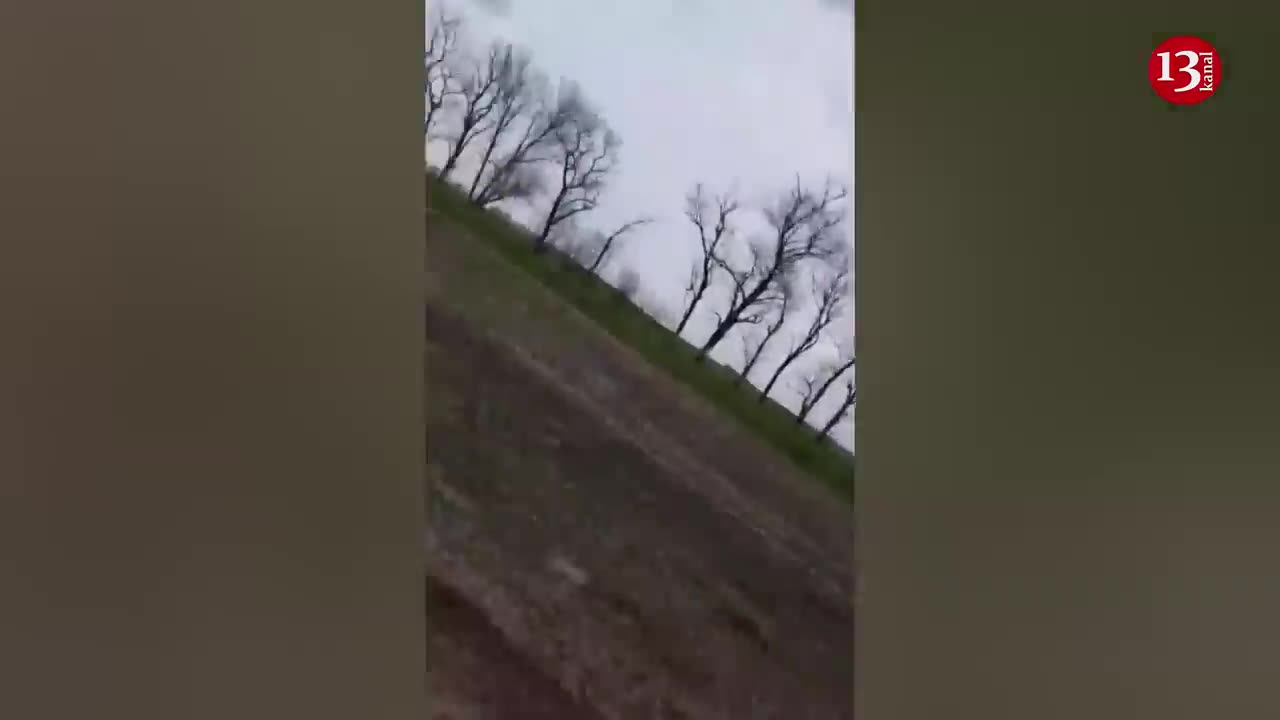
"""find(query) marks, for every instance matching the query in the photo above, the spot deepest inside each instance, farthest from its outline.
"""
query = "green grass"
(602, 303)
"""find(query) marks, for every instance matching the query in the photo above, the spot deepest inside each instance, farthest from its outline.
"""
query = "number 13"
(1192, 58)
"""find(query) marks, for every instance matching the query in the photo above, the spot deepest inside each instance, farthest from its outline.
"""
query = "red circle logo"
(1184, 70)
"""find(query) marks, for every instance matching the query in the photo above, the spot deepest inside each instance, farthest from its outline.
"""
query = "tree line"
(782, 289)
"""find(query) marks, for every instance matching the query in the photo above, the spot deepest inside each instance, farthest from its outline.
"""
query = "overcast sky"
(732, 93)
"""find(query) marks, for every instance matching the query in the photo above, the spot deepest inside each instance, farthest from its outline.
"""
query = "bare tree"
(754, 344)
(817, 384)
(479, 92)
(741, 284)
(607, 243)
(591, 249)
(809, 386)
(586, 151)
(514, 174)
(850, 397)
(829, 300)
(514, 96)
(710, 234)
(439, 82)
(802, 224)
(511, 182)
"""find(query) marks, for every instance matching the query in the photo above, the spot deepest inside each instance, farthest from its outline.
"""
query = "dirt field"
(602, 544)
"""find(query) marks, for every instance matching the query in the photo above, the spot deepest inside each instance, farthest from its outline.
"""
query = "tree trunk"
(751, 363)
(595, 264)
(732, 318)
(837, 416)
(540, 244)
(822, 391)
(464, 139)
(693, 303)
(716, 336)
(426, 125)
(451, 161)
(759, 351)
(777, 373)
(688, 313)
(826, 429)
(484, 162)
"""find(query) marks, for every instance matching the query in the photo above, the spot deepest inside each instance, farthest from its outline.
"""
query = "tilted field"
(602, 542)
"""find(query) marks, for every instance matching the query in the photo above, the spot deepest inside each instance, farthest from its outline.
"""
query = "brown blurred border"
(1069, 417)
(211, 443)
